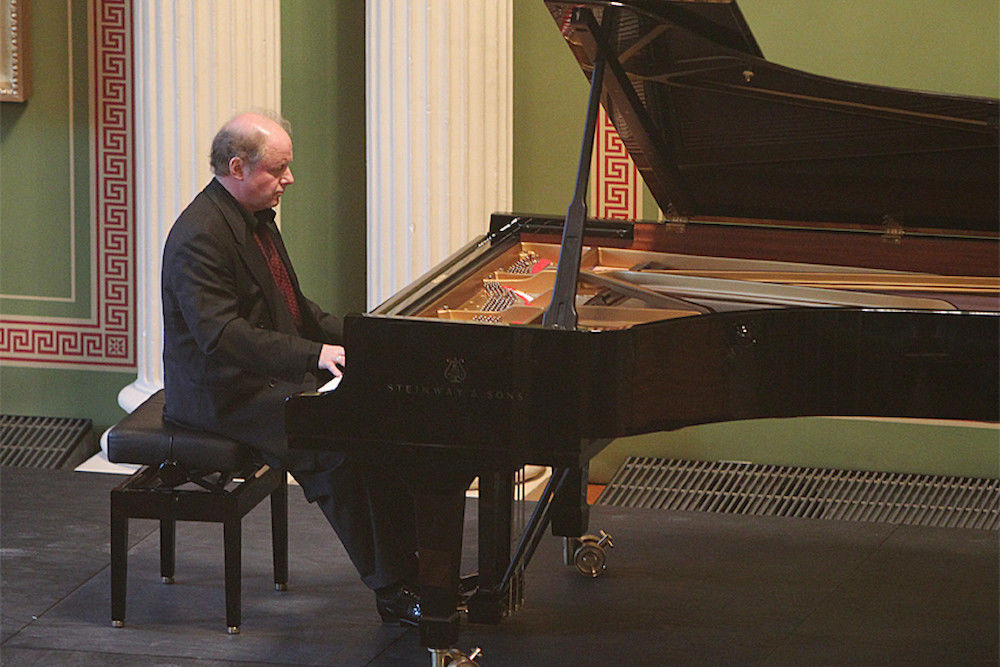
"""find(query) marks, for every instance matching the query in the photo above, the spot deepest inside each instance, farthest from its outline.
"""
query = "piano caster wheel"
(233, 629)
(591, 557)
(118, 624)
(166, 580)
(453, 657)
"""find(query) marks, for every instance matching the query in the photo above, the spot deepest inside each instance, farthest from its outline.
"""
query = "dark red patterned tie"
(265, 241)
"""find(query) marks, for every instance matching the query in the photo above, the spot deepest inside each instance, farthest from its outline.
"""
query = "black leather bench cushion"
(144, 437)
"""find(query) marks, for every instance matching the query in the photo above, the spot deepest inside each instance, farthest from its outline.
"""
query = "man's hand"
(332, 358)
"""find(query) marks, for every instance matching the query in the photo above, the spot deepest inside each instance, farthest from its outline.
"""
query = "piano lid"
(718, 131)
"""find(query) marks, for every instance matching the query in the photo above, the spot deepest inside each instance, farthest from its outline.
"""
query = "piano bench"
(190, 475)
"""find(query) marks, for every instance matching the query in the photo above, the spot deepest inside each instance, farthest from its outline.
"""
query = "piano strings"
(620, 288)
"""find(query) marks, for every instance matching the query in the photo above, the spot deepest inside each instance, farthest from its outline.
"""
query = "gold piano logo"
(454, 370)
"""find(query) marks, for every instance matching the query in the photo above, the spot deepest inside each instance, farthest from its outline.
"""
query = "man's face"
(266, 181)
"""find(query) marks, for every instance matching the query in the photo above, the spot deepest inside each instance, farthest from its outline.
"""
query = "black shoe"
(400, 605)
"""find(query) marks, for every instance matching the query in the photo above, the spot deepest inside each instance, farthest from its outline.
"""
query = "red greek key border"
(107, 339)
(615, 187)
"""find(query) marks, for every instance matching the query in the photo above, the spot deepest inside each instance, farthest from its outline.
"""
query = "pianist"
(239, 337)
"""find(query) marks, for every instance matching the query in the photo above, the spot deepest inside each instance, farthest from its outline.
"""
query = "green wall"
(949, 47)
(45, 234)
(45, 142)
(323, 95)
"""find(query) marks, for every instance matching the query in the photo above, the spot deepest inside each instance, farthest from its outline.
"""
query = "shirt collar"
(260, 217)
(252, 220)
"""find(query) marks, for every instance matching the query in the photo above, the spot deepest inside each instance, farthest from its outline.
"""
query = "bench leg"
(119, 564)
(168, 549)
(279, 534)
(232, 536)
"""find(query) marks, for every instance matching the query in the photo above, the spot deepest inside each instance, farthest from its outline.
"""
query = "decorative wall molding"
(15, 70)
(615, 185)
(106, 339)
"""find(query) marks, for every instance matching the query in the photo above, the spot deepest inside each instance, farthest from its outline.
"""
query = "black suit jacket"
(231, 352)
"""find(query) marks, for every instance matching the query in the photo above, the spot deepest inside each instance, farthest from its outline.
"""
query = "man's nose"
(288, 178)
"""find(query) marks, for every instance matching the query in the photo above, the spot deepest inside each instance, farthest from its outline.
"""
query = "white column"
(197, 63)
(439, 131)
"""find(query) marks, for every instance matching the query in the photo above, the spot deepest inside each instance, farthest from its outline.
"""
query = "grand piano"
(827, 248)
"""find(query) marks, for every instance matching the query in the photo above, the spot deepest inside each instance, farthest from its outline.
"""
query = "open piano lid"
(718, 131)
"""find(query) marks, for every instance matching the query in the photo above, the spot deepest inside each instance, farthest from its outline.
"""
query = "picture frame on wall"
(15, 73)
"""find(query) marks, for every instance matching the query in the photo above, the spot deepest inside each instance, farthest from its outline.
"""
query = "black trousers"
(369, 508)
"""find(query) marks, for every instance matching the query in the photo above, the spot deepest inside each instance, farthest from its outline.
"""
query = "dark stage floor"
(682, 588)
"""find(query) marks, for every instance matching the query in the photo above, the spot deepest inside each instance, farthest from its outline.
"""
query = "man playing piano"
(239, 338)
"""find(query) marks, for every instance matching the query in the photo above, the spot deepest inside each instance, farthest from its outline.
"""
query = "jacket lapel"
(246, 248)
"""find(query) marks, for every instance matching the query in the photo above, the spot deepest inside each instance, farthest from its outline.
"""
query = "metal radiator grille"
(818, 493)
(44, 442)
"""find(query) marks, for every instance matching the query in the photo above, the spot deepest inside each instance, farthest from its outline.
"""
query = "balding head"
(251, 157)
(245, 136)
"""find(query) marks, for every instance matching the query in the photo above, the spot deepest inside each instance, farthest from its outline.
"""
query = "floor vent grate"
(45, 442)
(818, 493)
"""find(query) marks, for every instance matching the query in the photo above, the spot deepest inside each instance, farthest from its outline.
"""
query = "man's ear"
(236, 167)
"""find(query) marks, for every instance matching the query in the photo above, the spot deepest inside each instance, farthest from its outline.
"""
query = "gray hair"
(236, 140)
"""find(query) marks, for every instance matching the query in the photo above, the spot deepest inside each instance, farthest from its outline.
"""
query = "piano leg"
(496, 490)
(570, 513)
(440, 515)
